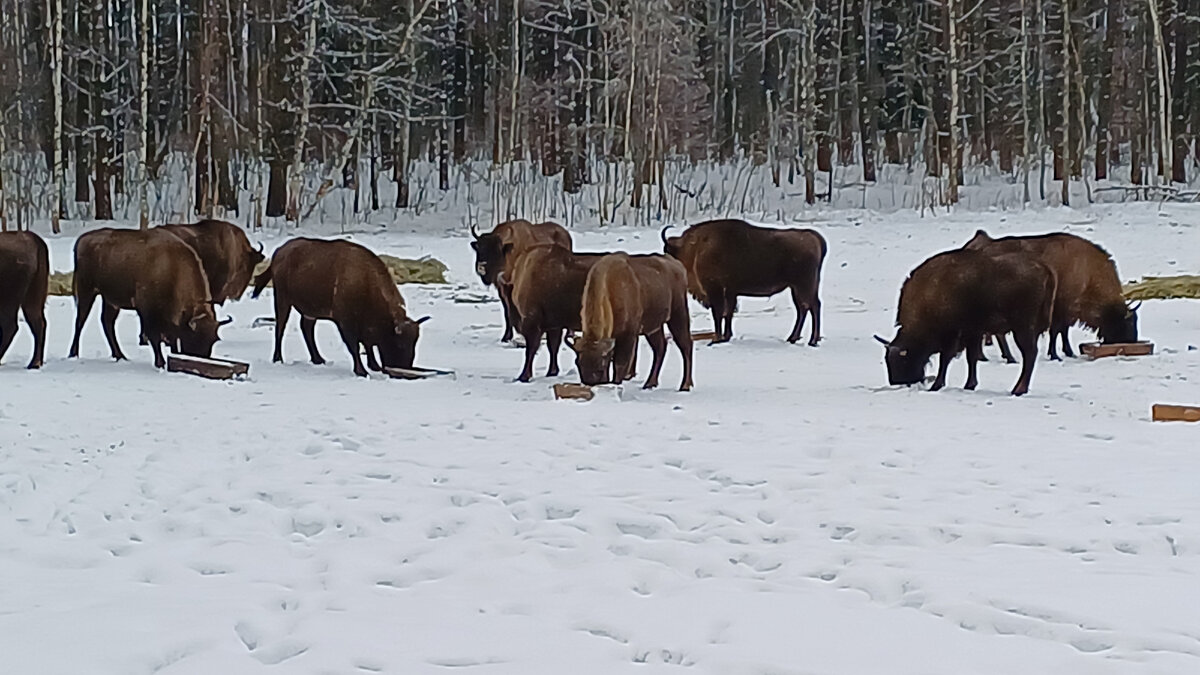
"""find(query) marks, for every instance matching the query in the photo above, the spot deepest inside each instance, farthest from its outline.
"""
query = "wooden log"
(1098, 350)
(260, 321)
(580, 392)
(213, 369)
(704, 335)
(415, 373)
(1166, 412)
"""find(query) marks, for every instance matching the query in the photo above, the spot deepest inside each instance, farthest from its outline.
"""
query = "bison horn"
(570, 340)
(474, 232)
(1134, 307)
(422, 320)
(260, 248)
(225, 322)
(663, 235)
(883, 342)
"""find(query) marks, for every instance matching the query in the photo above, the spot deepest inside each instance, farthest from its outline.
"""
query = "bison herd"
(174, 277)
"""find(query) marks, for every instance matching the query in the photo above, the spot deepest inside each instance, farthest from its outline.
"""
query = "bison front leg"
(944, 359)
(1027, 343)
(505, 293)
(716, 298)
(974, 354)
(730, 309)
(1055, 330)
(372, 363)
(681, 333)
(350, 338)
(554, 340)
(1005, 351)
(532, 332)
(1066, 343)
(108, 319)
(658, 344)
(283, 310)
(308, 327)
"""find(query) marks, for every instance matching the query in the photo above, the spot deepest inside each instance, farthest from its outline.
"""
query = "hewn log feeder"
(1167, 412)
(415, 373)
(579, 392)
(1099, 350)
(212, 368)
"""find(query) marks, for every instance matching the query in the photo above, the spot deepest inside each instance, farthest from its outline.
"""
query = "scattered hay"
(60, 283)
(427, 270)
(1164, 288)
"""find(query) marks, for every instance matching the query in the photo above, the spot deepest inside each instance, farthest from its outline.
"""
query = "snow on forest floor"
(793, 514)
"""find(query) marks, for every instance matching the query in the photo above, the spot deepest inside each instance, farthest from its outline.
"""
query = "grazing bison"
(728, 258)
(1089, 290)
(345, 283)
(154, 273)
(625, 297)
(24, 284)
(225, 251)
(950, 301)
(496, 251)
(547, 294)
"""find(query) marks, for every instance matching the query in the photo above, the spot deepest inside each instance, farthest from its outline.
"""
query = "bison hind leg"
(350, 338)
(308, 327)
(108, 320)
(8, 328)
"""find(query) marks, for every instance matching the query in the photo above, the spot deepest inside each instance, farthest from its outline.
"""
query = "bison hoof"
(1020, 391)
(970, 386)
(524, 378)
(361, 372)
(813, 342)
(936, 385)
(316, 362)
(34, 365)
(686, 386)
(650, 385)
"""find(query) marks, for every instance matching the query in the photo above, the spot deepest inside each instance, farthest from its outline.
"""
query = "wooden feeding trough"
(212, 368)
(704, 335)
(579, 392)
(1167, 412)
(415, 373)
(1099, 350)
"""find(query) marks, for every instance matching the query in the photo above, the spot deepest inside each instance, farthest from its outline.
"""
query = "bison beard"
(952, 300)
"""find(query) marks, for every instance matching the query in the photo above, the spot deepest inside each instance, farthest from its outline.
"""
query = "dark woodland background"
(288, 101)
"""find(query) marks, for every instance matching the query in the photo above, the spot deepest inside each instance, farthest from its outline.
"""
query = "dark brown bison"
(345, 283)
(225, 251)
(728, 258)
(547, 295)
(154, 273)
(625, 297)
(950, 301)
(1089, 290)
(495, 251)
(24, 284)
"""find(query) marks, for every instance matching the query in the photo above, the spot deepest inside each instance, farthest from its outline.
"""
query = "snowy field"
(791, 515)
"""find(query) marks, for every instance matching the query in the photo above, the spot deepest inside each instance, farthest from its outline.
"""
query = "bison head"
(490, 253)
(593, 359)
(905, 365)
(1119, 323)
(401, 350)
(199, 334)
(672, 246)
(241, 274)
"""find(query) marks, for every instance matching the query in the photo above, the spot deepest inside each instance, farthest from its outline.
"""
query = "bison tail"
(261, 281)
(1051, 299)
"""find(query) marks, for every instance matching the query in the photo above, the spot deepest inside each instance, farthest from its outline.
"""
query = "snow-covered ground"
(793, 514)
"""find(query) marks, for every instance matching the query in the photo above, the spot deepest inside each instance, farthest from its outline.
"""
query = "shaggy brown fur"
(24, 285)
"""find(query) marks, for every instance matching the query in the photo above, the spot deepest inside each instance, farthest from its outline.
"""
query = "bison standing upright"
(728, 258)
(1089, 290)
(547, 282)
(950, 301)
(496, 251)
(225, 251)
(348, 284)
(24, 284)
(154, 273)
(626, 297)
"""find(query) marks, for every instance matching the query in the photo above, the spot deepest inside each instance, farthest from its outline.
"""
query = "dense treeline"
(287, 100)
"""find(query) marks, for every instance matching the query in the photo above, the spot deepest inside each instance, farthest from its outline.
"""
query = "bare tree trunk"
(955, 150)
(1025, 150)
(143, 117)
(1164, 94)
(1104, 103)
(296, 177)
(1041, 78)
(1066, 102)
(808, 68)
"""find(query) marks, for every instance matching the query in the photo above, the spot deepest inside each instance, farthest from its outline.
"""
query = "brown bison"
(24, 284)
(950, 301)
(625, 297)
(154, 273)
(225, 251)
(728, 258)
(496, 251)
(547, 282)
(345, 283)
(1089, 290)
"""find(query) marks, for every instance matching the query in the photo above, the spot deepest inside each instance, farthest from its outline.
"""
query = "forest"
(261, 109)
